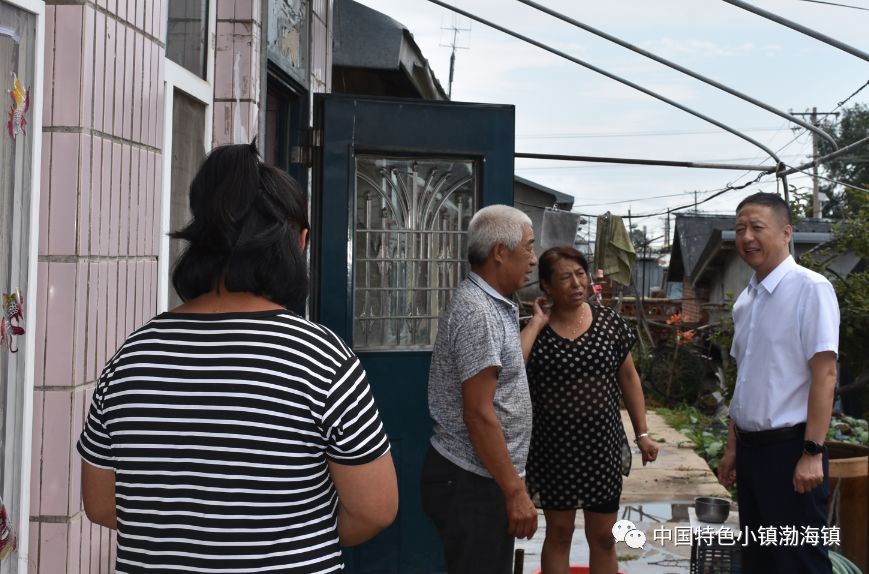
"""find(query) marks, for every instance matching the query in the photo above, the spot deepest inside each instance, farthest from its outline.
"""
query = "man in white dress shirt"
(785, 344)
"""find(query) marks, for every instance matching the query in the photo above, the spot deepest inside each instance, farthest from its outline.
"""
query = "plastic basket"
(715, 559)
(577, 570)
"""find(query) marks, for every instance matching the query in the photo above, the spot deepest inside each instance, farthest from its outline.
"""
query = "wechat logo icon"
(625, 531)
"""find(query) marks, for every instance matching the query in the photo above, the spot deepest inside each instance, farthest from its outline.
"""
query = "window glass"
(278, 127)
(186, 34)
(188, 152)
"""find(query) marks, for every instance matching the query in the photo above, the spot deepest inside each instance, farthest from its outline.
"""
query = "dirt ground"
(678, 474)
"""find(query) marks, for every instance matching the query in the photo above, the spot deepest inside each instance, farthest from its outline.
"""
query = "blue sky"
(563, 108)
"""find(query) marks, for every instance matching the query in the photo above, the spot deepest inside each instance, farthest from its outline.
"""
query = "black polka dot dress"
(577, 435)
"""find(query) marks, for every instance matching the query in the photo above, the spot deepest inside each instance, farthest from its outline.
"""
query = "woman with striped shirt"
(231, 435)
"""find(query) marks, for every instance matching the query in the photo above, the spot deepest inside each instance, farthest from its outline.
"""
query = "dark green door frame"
(346, 126)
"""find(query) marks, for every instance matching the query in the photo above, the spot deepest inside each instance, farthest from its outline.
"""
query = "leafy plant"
(848, 429)
(722, 336)
(708, 433)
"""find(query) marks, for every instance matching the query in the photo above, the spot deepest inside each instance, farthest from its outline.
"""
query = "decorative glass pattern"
(409, 249)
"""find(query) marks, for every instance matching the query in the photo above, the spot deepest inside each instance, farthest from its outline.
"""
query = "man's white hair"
(494, 224)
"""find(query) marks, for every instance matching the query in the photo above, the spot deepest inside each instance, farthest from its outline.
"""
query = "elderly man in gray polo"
(472, 487)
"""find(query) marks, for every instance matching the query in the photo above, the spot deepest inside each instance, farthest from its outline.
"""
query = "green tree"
(851, 168)
(850, 238)
(638, 238)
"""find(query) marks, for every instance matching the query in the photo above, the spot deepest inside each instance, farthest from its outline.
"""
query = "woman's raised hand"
(541, 307)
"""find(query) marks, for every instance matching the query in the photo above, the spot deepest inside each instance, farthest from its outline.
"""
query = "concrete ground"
(658, 499)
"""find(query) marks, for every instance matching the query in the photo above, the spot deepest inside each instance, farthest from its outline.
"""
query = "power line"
(718, 192)
(843, 102)
(845, 151)
(802, 132)
(608, 74)
(835, 4)
(634, 134)
(715, 194)
(769, 142)
(635, 199)
(571, 166)
(730, 187)
(837, 182)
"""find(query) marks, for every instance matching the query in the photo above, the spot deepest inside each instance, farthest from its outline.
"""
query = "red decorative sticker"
(10, 323)
(20, 104)
(8, 540)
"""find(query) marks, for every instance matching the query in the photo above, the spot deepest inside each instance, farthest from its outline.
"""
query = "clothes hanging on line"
(613, 249)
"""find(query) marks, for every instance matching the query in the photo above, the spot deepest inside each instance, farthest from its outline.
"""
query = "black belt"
(773, 436)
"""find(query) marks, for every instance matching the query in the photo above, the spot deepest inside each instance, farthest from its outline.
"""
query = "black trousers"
(469, 514)
(766, 497)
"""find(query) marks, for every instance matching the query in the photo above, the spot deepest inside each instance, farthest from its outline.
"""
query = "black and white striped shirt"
(219, 429)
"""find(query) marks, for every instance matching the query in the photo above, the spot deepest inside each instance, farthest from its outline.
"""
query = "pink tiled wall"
(237, 71)
(98, 217)
(98, 245)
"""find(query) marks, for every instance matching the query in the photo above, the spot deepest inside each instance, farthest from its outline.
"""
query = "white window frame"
(24, 433)
(178, 77)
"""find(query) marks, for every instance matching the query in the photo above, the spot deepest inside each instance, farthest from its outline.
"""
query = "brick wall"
(692, 303)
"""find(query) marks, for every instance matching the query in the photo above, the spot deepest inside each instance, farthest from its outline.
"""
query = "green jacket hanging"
(613, 250)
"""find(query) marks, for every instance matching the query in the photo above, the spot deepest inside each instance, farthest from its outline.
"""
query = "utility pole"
(453, 45)
(816, 186)
(643, 263)
(667, 232)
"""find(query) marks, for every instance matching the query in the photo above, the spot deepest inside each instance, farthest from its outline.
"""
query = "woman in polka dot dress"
(579, 366)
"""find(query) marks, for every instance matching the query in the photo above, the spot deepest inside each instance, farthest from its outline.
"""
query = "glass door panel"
(409, 250)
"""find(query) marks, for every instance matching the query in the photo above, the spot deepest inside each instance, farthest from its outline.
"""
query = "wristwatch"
(813, 448)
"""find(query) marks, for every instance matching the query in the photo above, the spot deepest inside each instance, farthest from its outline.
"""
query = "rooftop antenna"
(454, 30)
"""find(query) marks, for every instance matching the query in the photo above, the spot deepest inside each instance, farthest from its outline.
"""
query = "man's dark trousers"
(765, 487)
(469, 514)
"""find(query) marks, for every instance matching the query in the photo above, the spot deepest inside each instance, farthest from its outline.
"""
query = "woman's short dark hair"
(547, 261)
(244, 234)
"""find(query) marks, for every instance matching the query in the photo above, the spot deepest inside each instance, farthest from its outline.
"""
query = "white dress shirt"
(779, 324)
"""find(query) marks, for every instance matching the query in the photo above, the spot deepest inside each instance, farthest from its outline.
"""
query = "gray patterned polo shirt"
(480, 329)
